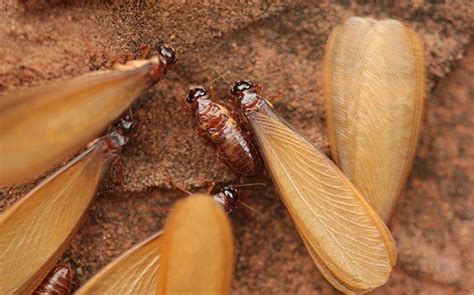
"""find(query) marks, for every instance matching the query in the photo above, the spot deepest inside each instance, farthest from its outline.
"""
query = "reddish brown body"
(234, 146)
(58, 282)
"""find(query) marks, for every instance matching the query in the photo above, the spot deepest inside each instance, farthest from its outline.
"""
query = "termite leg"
(212, 184)
(271, 98)
(250, 208)
(212, 93)
(202, 131)
(129, 56)
(179, 187)
(234, 114)
(145, 49)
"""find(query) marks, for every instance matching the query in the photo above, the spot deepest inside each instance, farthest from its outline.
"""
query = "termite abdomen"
(58, 282)
(234, 146)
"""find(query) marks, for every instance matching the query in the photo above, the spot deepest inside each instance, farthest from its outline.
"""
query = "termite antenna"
(179, 187)
(250, 208)
(211, 186)
(219, 76)
(250, 184)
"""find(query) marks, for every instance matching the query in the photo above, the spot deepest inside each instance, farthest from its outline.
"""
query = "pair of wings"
(40, 127)
(374, 88)
(194, 255)
(134, 272)
(347, 240)
(36, 230)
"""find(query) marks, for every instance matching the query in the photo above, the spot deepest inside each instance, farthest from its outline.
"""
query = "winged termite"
(234, 146)
(40, 127)
(35, 231)
(134, 272)
(57, 282)
(197, 249)
(374, 86)
(347, 240)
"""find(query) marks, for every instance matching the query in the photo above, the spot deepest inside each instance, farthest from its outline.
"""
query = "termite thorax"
(251, 102)
(114, 141)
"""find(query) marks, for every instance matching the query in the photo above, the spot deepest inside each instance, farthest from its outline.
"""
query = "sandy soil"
(282, 47)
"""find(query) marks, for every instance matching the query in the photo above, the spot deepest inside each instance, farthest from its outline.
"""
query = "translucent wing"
(346, 238)
(374, 80)
(42, 126)
(134, 272)
(35, 231)
(197, 255)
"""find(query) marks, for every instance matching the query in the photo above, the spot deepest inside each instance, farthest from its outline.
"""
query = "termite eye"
(195, 93)
(240, 86)
(167, 53)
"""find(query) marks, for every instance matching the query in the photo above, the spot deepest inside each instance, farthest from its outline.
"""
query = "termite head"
(166, 59)
(125, 124)
(240, 87)
(245, 94)
(167, 55)
(196, 95)
(228, 197)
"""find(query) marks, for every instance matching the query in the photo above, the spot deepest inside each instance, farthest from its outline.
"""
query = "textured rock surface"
(281, 46)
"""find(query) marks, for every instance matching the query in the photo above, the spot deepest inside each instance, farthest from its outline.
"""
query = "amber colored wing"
(345, 237)
(374, 88)
(197, 249)
(40, 127)
(35, 231)
(134, 272)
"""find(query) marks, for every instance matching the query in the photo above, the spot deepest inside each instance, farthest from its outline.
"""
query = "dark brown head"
(167, 56)
(245, 94)
(197, 94)
(125, 123)
(239, 87)
(231, 197)
(166, 59)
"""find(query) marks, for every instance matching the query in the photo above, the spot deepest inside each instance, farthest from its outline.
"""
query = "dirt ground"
(280, 45)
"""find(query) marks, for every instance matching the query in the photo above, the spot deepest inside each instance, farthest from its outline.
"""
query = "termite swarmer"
(320, 199)
(136, 271)
(36, 230)
(234, 146)
(41, 126)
